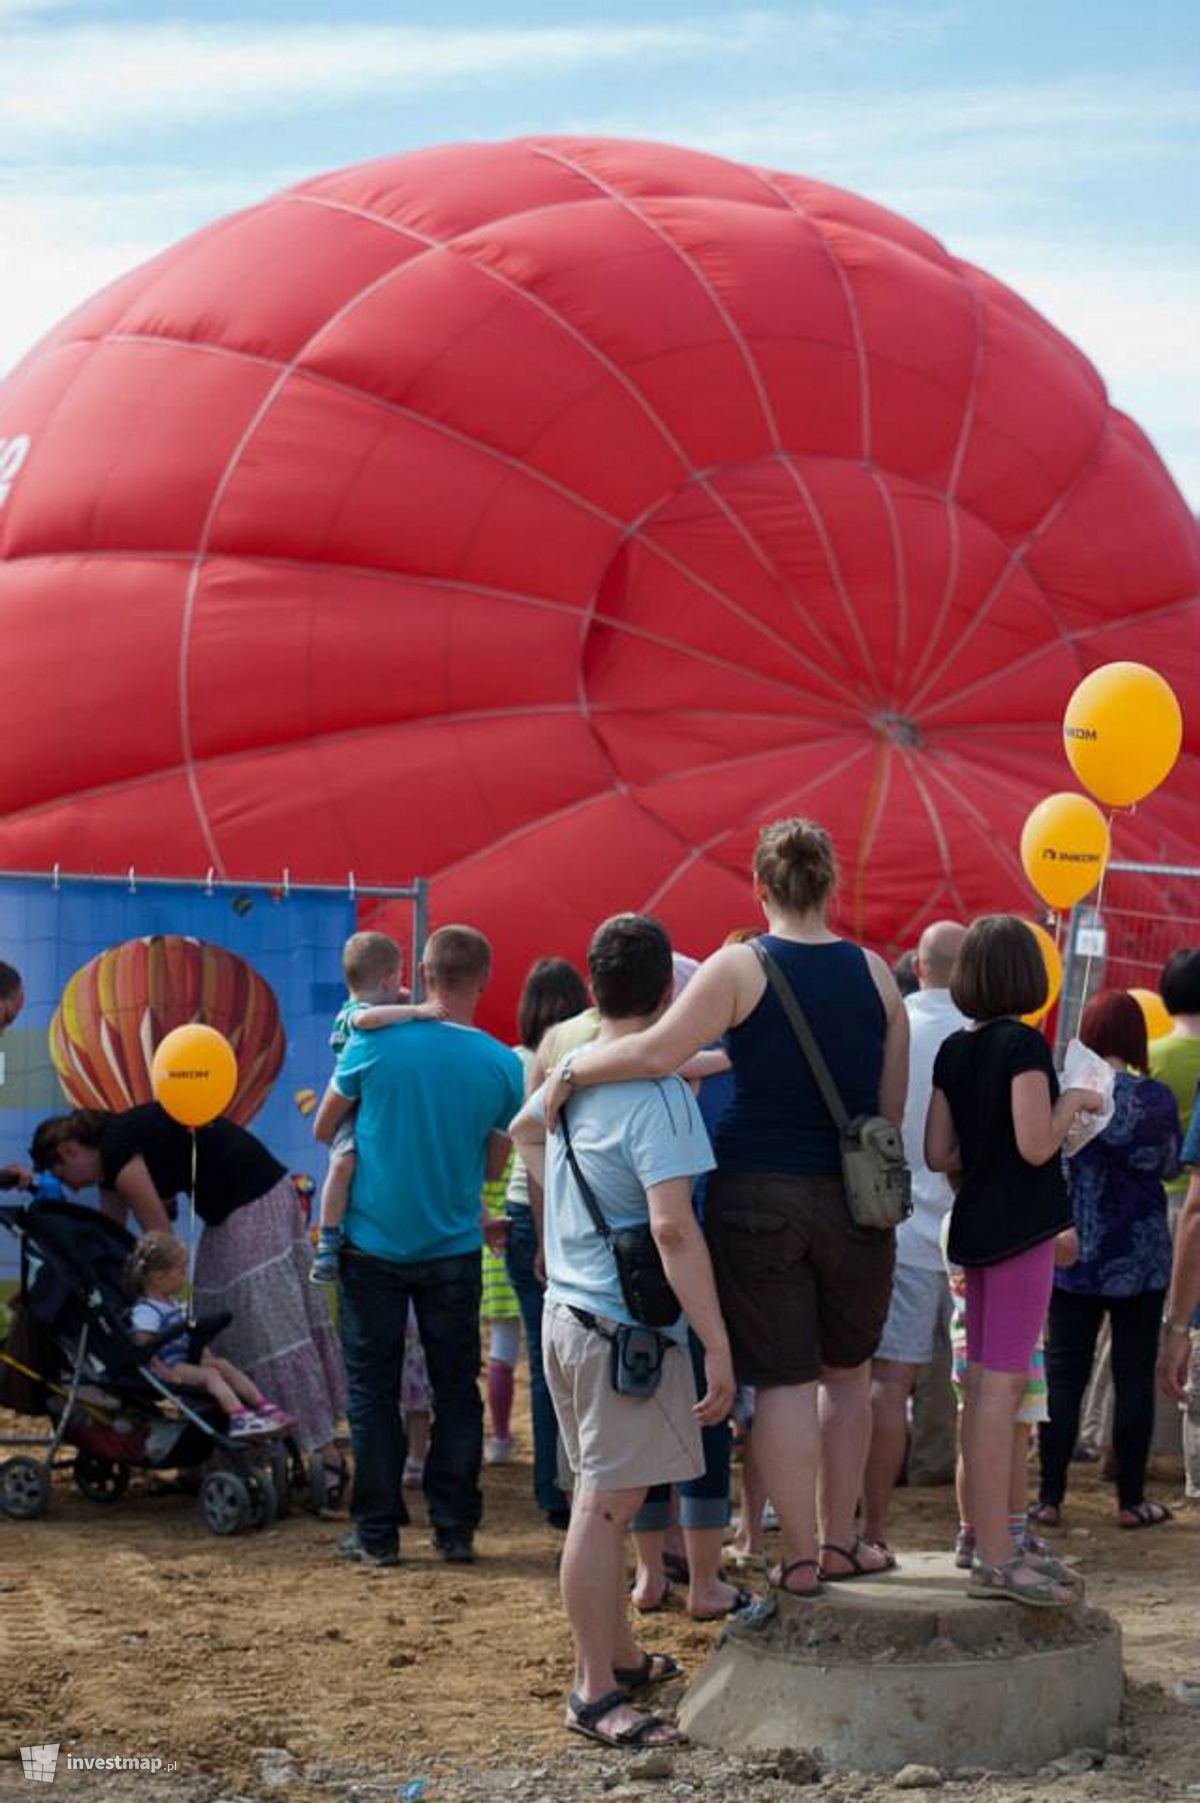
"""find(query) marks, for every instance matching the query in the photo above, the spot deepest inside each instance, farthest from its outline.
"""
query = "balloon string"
(192, 1237)
(1097, 907)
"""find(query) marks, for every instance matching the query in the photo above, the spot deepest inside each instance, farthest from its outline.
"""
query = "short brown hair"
(794, 860)
(999, 970)
(1113, 1026)
(457, 958)
(629, 964)
(83, 1125)
(1179, 985)
(369, 959)
(553, 991)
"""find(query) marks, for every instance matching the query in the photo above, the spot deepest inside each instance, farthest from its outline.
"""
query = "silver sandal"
(998, 1583)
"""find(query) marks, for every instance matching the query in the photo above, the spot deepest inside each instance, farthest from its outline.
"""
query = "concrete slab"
(906, 1668)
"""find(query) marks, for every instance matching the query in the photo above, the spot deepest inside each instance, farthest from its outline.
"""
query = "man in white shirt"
(920, 1291)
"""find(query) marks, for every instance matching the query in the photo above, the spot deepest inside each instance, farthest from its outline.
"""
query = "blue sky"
(1054, 143)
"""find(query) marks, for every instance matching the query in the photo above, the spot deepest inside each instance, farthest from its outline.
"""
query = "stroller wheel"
(281, 1471)
(225, 1506)
(328, 1480)
(264, 1501)
(100, 1480)
(24, 1489)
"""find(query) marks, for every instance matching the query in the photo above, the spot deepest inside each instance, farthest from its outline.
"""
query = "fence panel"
(110, 965)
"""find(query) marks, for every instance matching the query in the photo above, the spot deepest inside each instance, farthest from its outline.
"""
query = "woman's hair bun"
(795, 861)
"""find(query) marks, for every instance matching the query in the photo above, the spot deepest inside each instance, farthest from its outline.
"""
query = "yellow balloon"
(1064, 844)
(194, 1074)
(1054, 972)
(1158, 1021)
(1122, 731)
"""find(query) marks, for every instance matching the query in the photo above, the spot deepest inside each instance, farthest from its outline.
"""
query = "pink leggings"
(1006, 1308)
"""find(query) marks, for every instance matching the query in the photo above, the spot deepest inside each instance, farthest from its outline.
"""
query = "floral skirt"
(255, 1264)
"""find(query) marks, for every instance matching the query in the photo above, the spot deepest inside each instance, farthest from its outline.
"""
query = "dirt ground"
(262, 1667)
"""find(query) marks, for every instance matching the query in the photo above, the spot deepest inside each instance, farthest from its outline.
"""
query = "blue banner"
(109, 969)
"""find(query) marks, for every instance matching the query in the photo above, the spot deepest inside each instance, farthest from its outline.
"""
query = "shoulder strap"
(585, 1189)
(804, 1033)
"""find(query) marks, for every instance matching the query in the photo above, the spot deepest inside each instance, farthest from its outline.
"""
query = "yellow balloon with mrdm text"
(1122, 732)
(194, 1074)
(1064, 844)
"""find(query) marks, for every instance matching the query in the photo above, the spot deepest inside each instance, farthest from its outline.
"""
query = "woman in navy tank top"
(803, 1290)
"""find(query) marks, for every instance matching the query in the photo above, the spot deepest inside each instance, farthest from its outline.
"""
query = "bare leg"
(209, 1379)
(786, 1448)
(708, 1593)
(891, 1386)
(593, 1591)
(1018, 1483)
(649, 1583)
(237, 1380)
(987, 1443)
(845, 1414)
(749, 1538)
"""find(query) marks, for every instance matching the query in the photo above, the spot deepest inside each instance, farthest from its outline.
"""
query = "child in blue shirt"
(371, 964)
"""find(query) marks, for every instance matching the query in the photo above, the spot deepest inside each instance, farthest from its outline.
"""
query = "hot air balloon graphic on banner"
(118, 1006)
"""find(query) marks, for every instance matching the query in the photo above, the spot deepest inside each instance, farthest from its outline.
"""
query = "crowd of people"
(660, 1133)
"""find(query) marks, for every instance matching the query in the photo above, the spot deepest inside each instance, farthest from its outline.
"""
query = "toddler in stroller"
(74, 1358)
(154, 1277)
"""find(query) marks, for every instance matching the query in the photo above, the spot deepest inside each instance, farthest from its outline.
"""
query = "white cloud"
(83, 82)
(100, 79)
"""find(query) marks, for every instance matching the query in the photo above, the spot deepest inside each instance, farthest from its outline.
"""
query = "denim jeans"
(375, 1294)
(520, 1252)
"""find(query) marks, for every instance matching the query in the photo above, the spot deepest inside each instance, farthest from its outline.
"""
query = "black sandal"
(584, 1719)
(785, 1571)
(857, 1568)
(655, 1668)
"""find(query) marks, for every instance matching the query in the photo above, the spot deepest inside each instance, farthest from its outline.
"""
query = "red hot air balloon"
(115, 1010)
(541, 517)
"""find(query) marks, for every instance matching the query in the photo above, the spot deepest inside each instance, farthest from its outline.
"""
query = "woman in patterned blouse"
(1124, 1266)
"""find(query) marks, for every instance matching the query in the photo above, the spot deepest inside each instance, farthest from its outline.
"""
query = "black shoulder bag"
(874, 1169)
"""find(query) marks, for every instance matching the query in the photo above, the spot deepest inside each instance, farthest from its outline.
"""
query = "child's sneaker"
(248, 1424)
(414, 1473)
(964, 1548)
(324, 1267)
(498, 1451)
(278, 1418)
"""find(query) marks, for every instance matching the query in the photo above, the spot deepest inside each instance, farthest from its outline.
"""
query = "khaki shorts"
(618, 1442)
(800, 1286)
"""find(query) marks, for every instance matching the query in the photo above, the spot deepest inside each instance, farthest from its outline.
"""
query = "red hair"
(1114, 1026)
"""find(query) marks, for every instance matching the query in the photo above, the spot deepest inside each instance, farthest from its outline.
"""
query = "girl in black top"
(997, 1123)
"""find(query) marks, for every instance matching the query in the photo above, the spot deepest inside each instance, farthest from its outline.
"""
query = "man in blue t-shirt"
(640, 1145)
(434, 1099)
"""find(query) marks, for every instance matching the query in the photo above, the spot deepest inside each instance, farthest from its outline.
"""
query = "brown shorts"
(800, 1285)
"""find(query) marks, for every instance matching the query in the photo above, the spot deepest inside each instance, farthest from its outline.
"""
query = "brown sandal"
(781, 1584)
(857, 1568)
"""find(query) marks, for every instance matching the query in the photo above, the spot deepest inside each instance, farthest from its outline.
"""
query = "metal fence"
(1122, 939)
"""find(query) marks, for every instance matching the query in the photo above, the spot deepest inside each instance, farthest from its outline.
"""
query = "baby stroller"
(73, 1359)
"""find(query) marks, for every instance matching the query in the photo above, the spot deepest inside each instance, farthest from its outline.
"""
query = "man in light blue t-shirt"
(639, 1145)
(434, 1099)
